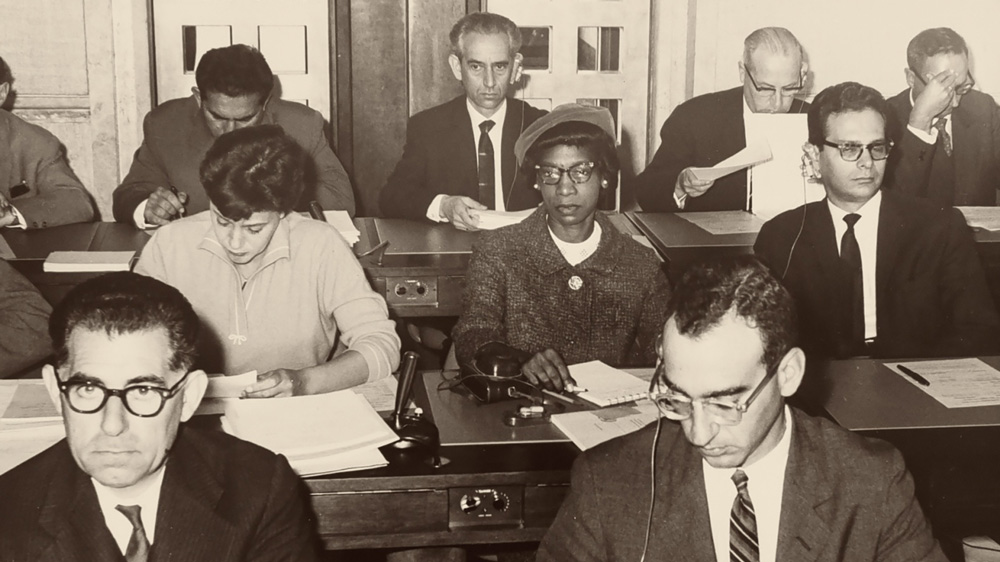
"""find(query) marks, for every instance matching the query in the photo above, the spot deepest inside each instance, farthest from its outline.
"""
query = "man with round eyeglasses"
(731, 472)
(875, 273)
(131, 479)
(947, 133)
(707, 129)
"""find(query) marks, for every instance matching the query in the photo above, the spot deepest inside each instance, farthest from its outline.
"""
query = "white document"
(221, 386)
(381, 394)
(20, 445)
(591, 428)
(985, 218)
(492, 220)
(955, 383)
(68, 262)
(724, 222)
(26, 401)
(604, 385)
(6, 252)
(344, 225)
(777, 185)
(754, 153)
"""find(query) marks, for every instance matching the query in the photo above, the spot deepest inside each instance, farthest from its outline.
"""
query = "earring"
(604, 183)
(536, 186)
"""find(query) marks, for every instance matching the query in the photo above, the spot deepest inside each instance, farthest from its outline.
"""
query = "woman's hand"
(276, 383)
(547, 370)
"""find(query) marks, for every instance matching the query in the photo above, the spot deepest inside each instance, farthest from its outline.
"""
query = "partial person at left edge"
(24, 316)
(234, 90)
(131, 481)
(38, 189)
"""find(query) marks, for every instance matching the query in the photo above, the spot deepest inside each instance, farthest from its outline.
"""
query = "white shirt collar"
(576, 252)
(148, 499)
(497, 118)
(866, 232)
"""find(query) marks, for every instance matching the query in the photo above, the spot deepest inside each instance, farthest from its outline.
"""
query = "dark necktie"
(743, 545)
(943, 135)
(138, 544)
(487, 181)
(850, 252)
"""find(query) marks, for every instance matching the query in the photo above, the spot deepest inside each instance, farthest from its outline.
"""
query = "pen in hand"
(177, 194)
(913, 375)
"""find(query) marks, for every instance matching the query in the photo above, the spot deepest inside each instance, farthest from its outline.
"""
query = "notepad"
(592, 427)
(71, 262)
(606, 386)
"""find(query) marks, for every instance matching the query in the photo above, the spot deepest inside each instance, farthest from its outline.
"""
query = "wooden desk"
(411, 504)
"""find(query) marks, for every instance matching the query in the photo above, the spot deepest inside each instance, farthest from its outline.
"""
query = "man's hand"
(548, 370)
(7, 216)
(276, 383)
(690, 186)
(163, 206)
(936, 97)
(460, 211)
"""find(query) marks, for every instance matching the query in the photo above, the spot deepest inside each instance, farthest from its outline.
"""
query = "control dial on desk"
(500, 501)
(470, 503)
(497, 501)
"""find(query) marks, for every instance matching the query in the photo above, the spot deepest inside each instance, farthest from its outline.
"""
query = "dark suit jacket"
(702, 131)
(932, 298)
(440, 157)
(975, 131)
(24, 322)
(222, 499)
(176, 139)
(845, 498)
(30, 153)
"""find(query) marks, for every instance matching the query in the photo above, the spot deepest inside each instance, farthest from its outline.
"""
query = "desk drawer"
(372, 513)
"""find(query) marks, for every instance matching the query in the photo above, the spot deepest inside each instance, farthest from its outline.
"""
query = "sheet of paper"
(27, 401)
(985, 218)
(6, 252)
(605, 385)
(955, 383)
(321, 463)
(19, 446)
(492, 220)
(777, 185)
(724, 222)
(68, 262)
(344, 225)
(381, 394)
(221, 386)
(592, 427)
(754, 153)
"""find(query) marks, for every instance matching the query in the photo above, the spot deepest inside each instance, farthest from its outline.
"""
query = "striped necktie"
(743, 546)
(138, 544)
(487, 179)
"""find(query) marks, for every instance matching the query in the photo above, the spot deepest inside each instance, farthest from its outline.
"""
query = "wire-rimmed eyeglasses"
(142, 400)
(770, 91)
(678, 407)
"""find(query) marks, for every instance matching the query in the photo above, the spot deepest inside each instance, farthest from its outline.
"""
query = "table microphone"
(316, 212)
(407, 371)
(415, 431)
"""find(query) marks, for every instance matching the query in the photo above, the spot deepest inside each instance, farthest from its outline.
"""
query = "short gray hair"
(487, 24)
(777, 40)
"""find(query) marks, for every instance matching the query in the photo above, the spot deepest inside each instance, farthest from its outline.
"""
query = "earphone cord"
(802, 225)
(513, 178)
(652, 487)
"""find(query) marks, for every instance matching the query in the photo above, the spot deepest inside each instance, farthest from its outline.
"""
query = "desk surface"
(865, 395)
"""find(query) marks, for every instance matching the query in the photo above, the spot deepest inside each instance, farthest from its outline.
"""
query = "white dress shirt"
(148, 499)
(576, 252)
(931, 137)
(765, 484)
(20, 223)
(496, 136)
(866, 231)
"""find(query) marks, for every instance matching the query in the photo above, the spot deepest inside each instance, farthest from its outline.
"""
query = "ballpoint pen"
(913, 375)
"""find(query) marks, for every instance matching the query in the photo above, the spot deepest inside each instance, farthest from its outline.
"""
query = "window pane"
(284, 47)
(599, 48)
(198, 39)
(535, 47)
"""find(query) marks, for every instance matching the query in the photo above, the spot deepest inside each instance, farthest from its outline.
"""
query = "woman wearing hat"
(564, 285)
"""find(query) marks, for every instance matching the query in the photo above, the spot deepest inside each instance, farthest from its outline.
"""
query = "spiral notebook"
(606, 386)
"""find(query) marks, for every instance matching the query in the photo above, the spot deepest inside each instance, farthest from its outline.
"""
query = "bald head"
(773, 70)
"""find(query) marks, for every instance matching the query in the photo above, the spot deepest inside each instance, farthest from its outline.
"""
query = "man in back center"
(234, 91)
(459, 156)
(735, 473)
(706, 130)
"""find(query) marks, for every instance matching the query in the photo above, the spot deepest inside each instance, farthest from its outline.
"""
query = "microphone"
(417, 434)
(316, 212)
(406, 373)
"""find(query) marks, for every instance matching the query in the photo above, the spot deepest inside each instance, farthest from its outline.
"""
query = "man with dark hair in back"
(947, 134)
(234, 91)
(707, 129)
(875, 273)
(733, 472)
(459, 156)
(130, 478)
(38, 189)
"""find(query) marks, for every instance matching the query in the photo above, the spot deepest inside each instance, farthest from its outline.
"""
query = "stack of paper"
(984, 218)
(602, 385)
(492, 220)
(592, 427)
(69, 262)
(319, 434)
(29, 422)
(344, 225)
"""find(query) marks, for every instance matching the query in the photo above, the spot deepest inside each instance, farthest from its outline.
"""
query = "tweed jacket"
(519, 292)
(973, 175)
(702, 131)
(846, 498)
(222, 499)
(35, 156)
(24, 322)
(176, 139)
(440, 158)
(931, 293)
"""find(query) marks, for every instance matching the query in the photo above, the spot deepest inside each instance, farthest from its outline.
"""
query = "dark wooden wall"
(390, 61)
